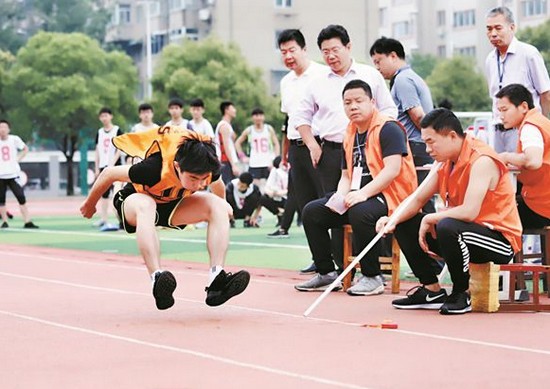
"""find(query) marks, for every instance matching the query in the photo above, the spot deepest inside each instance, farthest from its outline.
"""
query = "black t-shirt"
(148, 171)
(393, 141)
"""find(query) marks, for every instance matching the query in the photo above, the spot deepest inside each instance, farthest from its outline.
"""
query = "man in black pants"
(244, 198)
(377, 173)
(480, 222)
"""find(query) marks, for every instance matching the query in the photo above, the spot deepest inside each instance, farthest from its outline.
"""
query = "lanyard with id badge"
(357, 173)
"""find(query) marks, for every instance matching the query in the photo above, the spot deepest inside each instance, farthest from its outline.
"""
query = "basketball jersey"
(261, 151)
(141, 128)
(220, 149)
(9, 167)
(104, 146)
(184, 124)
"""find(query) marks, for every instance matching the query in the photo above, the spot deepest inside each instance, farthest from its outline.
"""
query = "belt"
(299, 142)
(332, 145)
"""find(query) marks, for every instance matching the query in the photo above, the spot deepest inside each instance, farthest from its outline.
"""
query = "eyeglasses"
(333, 50)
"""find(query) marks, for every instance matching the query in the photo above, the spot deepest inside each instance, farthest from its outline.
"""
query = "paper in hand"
(337, 204)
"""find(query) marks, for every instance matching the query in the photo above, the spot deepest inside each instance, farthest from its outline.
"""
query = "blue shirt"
(408, 91)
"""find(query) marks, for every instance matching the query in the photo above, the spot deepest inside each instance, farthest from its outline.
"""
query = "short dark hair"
(277, 162)
(175, 101)
(333, 31)
(246, 178)
(145, 107)
(387, 46)
(257, 111)
(517, 94)
(198, 156)
(442, 120)
(224, 105)
(445, 103)
(5, 121)
(291, 35)
(196, 103)
(358, 84)
(105, 110)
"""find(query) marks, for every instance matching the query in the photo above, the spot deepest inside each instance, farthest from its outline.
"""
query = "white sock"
(153, 276)
(213, 273)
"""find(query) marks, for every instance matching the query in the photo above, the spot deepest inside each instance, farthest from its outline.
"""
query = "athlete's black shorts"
(163, 214)
(17, 190)
(259, 172)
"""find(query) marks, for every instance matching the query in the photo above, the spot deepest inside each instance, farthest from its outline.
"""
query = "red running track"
(71, 319)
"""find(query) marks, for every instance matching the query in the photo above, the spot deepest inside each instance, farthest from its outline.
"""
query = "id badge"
(356, 178)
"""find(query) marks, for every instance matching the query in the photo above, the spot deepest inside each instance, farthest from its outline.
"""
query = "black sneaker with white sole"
(163, 288)
(421, 298)
(225, 286)
(457, 304)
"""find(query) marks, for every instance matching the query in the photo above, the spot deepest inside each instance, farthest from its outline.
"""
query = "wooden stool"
(512, 304)
(484, 286)
(386, 263)
(544, 234)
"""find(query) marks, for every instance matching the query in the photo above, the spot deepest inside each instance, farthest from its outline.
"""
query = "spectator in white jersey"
(12, 150)
(146, 115)
(175, 109)
(106, 154)
(198, 122)
(264, 146)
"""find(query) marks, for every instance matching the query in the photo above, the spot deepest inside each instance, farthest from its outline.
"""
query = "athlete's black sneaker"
(225, 286)
(421, 298)
(163, 288)
(5, 225)
(30, 225)
(10, 216)
(457, 304)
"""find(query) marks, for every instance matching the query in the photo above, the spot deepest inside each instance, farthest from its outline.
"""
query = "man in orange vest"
(480, 221)
(377, 174)
(164, 190)
(517, 110)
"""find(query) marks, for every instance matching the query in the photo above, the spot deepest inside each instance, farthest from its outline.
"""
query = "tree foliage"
(6, 61)
(214, 72)
(539, 37)
(458, 80)
(58, 84)
(423, 64)
(11, 15)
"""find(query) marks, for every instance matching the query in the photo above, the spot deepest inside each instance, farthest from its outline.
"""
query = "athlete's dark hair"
(517, 94)
(145, 107)
(291, 35)
(196, 103)
(277, 162)
(175, 101)
(358, 84)
(198, 156)
(442, 120)
(5, 121)
(387, 46)
(257, 111)
(333, 31)
(224, 105)
(246, 178)
(105, 110)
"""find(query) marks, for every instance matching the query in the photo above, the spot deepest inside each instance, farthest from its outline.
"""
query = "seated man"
(377, 174)
(480, 222)
(276, 189)
(163, 190)
(517, 110)
(244, 198)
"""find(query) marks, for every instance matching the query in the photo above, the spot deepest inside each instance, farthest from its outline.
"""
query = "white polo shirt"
(293, 88)
(322, 105)
(523, 64)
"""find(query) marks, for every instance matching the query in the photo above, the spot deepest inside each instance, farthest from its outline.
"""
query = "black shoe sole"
(238, 283)
(164, 287)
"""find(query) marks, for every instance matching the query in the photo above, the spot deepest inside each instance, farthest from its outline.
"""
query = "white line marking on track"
(163, 239)
(291, 315)
(198, 354)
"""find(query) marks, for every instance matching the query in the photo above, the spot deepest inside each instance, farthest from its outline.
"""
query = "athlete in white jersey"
(199, 123)
(175, 109)
(106, 154)
(12, 150)
(225, 145)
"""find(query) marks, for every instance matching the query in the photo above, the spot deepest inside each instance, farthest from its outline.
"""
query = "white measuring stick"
(390, 222)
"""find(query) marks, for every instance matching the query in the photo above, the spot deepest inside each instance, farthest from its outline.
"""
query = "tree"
(458, 80)
(11, 15)
(539, 37)
(214, 72)
(6, 61)
(58, 84)
(423, 64)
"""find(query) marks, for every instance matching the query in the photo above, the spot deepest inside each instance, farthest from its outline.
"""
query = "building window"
(442, 51)
(464, 18)
(124, 13)
(400, 2)
(277, 33)
(176, 5)
(157, 43)
(533, 7)
(401, 29)
(283, 3)
(468, 51)
(441, 18)
(383, 17)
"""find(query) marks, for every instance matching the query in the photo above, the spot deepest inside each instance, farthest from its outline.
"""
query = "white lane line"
(163, 239)
(293, 316)
(194, 353)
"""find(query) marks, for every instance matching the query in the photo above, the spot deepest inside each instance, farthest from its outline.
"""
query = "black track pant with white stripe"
(458, 243)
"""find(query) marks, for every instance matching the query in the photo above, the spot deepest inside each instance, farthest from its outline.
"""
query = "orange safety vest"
(165, 140)
(536, 183)
(498, 210)
(405, 183)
